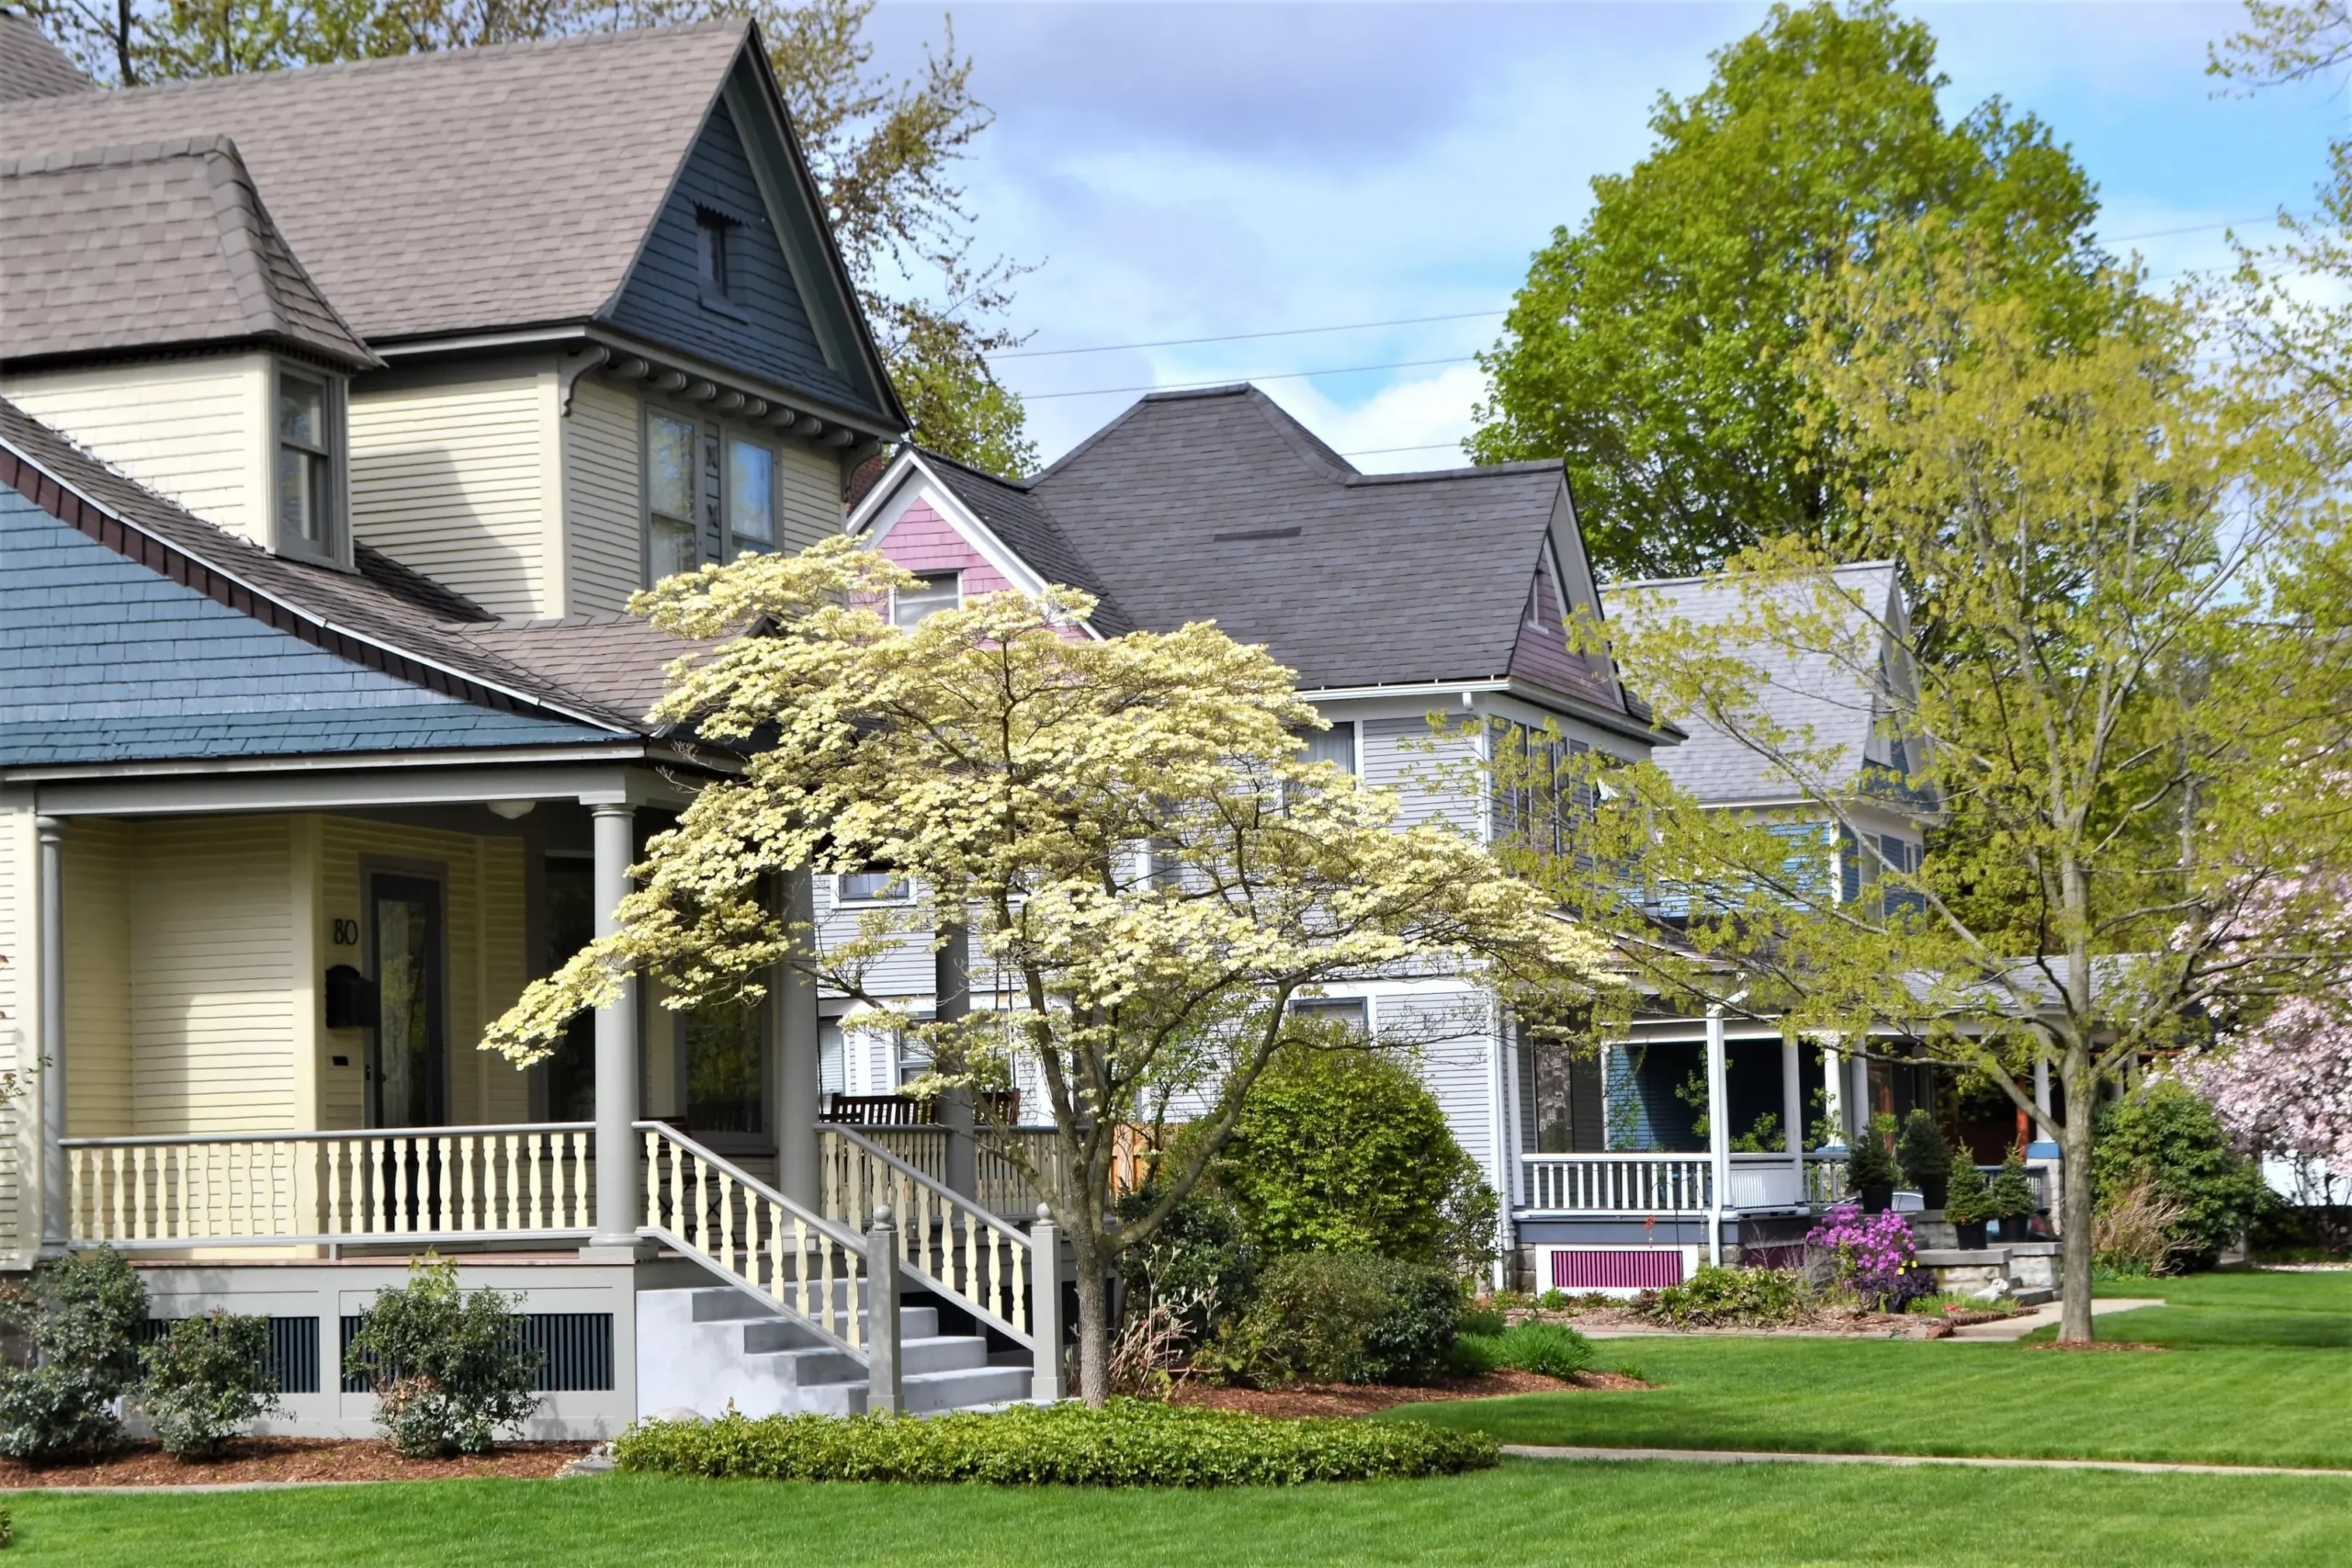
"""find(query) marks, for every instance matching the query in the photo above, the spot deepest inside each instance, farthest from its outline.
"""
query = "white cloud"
(1404, 426)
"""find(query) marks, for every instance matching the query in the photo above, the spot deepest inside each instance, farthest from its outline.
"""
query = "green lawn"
(1529, 1511)
(2258, 1378)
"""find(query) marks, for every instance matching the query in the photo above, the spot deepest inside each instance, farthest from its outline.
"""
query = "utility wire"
(1228, 380)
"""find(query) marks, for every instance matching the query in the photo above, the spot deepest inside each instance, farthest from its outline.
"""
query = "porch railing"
(419, 1183)
(954, 1245)
(1637, 1184)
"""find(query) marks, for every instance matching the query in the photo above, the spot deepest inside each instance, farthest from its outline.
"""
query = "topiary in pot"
(1869, 1169)
(2010, 1197)
(1965, 1205)
(1925, 1159)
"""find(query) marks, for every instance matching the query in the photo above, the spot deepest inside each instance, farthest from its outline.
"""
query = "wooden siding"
(1542, 654)
(1459, 1068)
(451, 478)
(211, 976)
(922, 540)
(20, 1028)
(603, 498)
(809, 508)
(484, 951)
(197, 430)
(98, 855)
(1430, 785)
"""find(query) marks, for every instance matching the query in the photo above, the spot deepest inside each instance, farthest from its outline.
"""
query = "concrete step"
(928, 1392)
(937, 1354)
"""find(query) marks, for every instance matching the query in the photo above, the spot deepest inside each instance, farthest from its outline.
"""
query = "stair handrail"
(854, 1343)
(974, 1212)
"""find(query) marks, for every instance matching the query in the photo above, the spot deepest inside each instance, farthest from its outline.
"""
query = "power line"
(1242, 337)
(1424, 447)
(1228, 380)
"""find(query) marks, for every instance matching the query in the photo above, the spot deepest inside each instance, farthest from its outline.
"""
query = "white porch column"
(800, 1086)
(54, 1228)
(619, 1200)
(1859, 1099)
(1792, 1110)
(2041, 1145)
(1832, 1086)
(1718, 1132)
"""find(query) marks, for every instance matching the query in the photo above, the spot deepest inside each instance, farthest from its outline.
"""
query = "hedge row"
(1128, 1443)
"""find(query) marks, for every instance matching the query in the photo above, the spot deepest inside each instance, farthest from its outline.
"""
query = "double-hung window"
(1335, 745)
(871, 888)
(673, 534)
(308, 514)
(751, 496)
(937, 591)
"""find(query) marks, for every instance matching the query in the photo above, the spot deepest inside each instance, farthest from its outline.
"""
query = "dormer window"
(309, 501)
(936, 592)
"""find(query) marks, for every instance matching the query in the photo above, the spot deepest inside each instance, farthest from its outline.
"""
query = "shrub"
(1719, 1297)
(1874, 1256)
(206, 1378)
(1341, 1318)
(1126, 1443)
(1867, 1163)
(2135, 1233)
(1554, 1300)
(1921, 1151)
(1552, 1348)
(1964, 1200)
(1345, 1150)
(1200, 1264)
(448, 1367)
(2168, 1134)
(1475, 1355)
(2010, 1194)
(82, 1314)
(1488, 1320)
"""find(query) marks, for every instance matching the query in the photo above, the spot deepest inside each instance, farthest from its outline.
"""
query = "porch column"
(1792, 1110)
(2041, 1146)
(1718, 1132)
(54, 1226)
(952, 1001)
(1861, 1099)
(619, 1199)
(1833, 1086)
(801, 1089)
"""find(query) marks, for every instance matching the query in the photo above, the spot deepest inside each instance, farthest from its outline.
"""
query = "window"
(1335, 745)
(673, 537)
(938, 591)
(1352, 1013)
(711, 234)
(751, 496)
(870, 887)
(306, 498)
(1539, 794)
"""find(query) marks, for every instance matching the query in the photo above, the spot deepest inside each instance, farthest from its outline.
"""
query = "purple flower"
(1878, 1257)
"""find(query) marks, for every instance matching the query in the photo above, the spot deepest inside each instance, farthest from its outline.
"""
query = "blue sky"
(1182, 171)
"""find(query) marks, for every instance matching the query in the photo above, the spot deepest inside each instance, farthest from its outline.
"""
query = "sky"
(1209, 169)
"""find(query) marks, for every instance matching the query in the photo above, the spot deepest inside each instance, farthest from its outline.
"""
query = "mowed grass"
(1529, 1511)
(2256, 1376)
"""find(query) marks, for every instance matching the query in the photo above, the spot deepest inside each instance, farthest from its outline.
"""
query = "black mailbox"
(351, 998)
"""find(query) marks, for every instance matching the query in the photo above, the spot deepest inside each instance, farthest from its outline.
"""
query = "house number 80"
(346, 933)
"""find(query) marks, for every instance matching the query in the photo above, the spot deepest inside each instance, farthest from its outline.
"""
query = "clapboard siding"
(211, 986)
(1430, 785)
(908, 969)
(98, 855)
(810, 505)
(1456, 1059)
(483, 937)
(19, 1159)
(603, 498)
(198, 429)
(449, 478)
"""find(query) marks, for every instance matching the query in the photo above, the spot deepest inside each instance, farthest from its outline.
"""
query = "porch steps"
(704, 1348)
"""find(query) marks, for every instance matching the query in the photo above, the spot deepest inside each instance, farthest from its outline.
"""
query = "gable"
(764, 324)
(1541, 655)
(102, 660)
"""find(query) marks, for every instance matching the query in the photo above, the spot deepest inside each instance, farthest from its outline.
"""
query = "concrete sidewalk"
(2045, 1315)
(1767, 1456)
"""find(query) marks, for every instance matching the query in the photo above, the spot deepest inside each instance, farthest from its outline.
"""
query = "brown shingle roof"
(160, 246)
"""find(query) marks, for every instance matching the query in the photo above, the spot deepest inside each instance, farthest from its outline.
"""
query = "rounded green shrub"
(1921, 1150)
(448, 1367)
(82, 1314)
(2168, 1134)
(1129, 1443)
(1719, 1297)
(1475, 1355)
(205, 1379)
(1341, 1318)
(1552, 1348)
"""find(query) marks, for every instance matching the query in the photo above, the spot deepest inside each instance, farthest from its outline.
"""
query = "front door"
(407, 1074)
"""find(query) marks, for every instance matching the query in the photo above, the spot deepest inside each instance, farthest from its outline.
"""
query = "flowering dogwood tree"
(2284, 1084)
(1149, 873)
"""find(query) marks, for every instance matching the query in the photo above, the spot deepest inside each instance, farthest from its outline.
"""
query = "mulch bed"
(1365, 1399)
(290, 1459)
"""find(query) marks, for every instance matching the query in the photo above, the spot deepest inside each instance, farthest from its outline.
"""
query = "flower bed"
(1130, 1442)
(1876, 1256)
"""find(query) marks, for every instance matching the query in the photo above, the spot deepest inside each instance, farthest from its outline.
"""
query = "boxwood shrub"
(1129, 1443)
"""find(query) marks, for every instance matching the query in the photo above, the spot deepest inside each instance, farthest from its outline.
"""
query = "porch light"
(512, 811)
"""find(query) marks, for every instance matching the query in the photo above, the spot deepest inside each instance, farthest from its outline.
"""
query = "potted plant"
(1870, 1167)
(2010, 1198)
(1925, 1159)
(1964, 1203)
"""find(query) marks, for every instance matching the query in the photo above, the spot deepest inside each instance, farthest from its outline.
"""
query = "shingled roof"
(1014, 515)
(385, 618)
(1812, 688)
(153, 248)
(30, 66)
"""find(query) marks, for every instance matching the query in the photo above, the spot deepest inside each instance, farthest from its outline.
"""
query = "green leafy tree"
(1655, 347)
(2138, 705)
(2169, 1138)
(882, 147)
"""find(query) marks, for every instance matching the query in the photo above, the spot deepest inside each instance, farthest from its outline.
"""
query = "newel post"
(1046, 1307)
(882, 1388)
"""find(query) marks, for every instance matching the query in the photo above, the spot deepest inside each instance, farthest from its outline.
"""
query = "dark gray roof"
(1218, 505)
(1012, 514)
(385, 618)
(1814, 688)
(30, 66)
(155, 247)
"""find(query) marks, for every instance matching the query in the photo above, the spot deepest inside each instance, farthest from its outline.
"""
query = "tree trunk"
(2075, 1196)
(1093, 1324)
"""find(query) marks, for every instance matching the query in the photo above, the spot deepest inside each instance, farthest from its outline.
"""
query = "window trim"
(336, 416)
(651, 412)
(729, 436)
